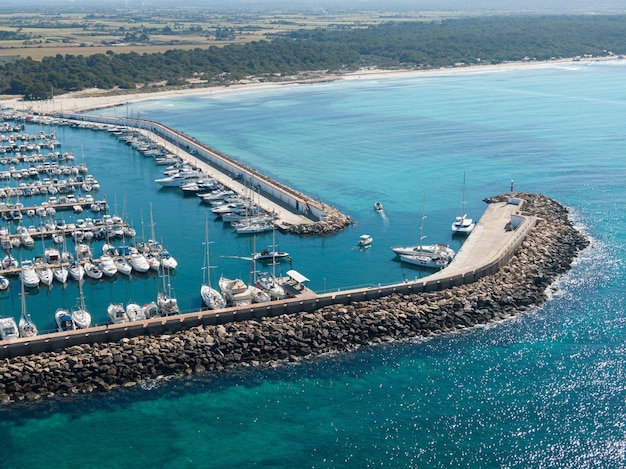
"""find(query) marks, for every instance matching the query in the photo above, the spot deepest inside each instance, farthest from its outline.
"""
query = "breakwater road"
(544, 253)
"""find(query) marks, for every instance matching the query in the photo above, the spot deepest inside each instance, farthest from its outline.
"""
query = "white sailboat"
(211, 298)
(80, 315)
(166, 302)
(463, 225)
(26, 326)
(433, 255)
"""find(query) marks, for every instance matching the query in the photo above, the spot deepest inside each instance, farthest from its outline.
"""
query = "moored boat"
(235, 291)
(64, 320)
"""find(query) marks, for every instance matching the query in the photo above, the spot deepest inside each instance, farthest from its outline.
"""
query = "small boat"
(138, 262)
(80, 315)
(378, 207)
(235, 291)
(107, 265)
(259, 295)
(135, 312)
(365, 240)
(123, 267)
(151, 310)
(9, 262)
(270, 254)
(8, 329)
(26, 325)
(28, 274)
(431, 262)
(463, 225)
(117, 313)
(418, 254)
(211, 298)
(167, 260)
(167, 305)
(60, 273)
(92, 271)
(76, 270)
(269, 283)
(4, 283)
(153, 261)
(64, 320)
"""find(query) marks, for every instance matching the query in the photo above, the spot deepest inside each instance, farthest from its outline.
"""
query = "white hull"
(235, 291)
(211, 298)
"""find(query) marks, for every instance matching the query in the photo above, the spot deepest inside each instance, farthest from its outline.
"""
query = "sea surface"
(546, 389)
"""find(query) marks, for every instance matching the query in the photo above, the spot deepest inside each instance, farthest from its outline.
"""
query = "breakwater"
(546, 252)
(314, 216)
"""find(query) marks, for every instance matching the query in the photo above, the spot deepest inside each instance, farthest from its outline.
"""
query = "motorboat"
(117, 313)
(153, 261)
(253, 226)
(28, 274)
(378, 207)
(269, 283)
(259, 295)
(268, 255)
(167, 260)
(107, 265)
(92, 270)
(178, 179)
(64, 320)
(122, 265)
(8, 329)
(138, 262)
(365, 240)
(9, 262)
(135, 312)
(235, 291)
(151, 310)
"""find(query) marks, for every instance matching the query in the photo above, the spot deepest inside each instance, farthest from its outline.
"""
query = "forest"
(391, 45)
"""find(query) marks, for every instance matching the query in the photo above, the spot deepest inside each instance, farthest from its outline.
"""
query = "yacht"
(235, 291)
(117, 313)
(8, 329)
(28, 274)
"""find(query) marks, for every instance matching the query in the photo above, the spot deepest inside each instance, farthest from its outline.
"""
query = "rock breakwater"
(547, 252)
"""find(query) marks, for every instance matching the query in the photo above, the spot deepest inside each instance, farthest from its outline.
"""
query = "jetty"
(293, 211)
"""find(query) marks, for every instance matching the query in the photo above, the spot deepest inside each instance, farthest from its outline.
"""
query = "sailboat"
(80, 315)
(258, 294)
(432, 255)
(462, 224)
(26, 326)
(211, 298)
(166, 303)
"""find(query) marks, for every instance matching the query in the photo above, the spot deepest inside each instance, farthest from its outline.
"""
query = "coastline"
(85, 100)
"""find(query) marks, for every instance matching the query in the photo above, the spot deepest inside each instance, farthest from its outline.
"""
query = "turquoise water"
(545, 389)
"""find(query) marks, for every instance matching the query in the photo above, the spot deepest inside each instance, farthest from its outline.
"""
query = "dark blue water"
(543, 390)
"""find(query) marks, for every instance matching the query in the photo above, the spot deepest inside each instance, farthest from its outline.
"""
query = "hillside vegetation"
(407, 45)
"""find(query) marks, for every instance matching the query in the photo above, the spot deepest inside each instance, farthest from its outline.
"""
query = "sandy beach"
(92, 99)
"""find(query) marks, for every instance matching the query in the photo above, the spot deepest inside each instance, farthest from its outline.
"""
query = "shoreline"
(85, 100)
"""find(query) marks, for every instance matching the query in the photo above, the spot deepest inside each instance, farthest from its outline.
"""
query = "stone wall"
(547, 251)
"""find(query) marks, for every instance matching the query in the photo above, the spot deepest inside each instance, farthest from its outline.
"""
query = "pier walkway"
(497, 235)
